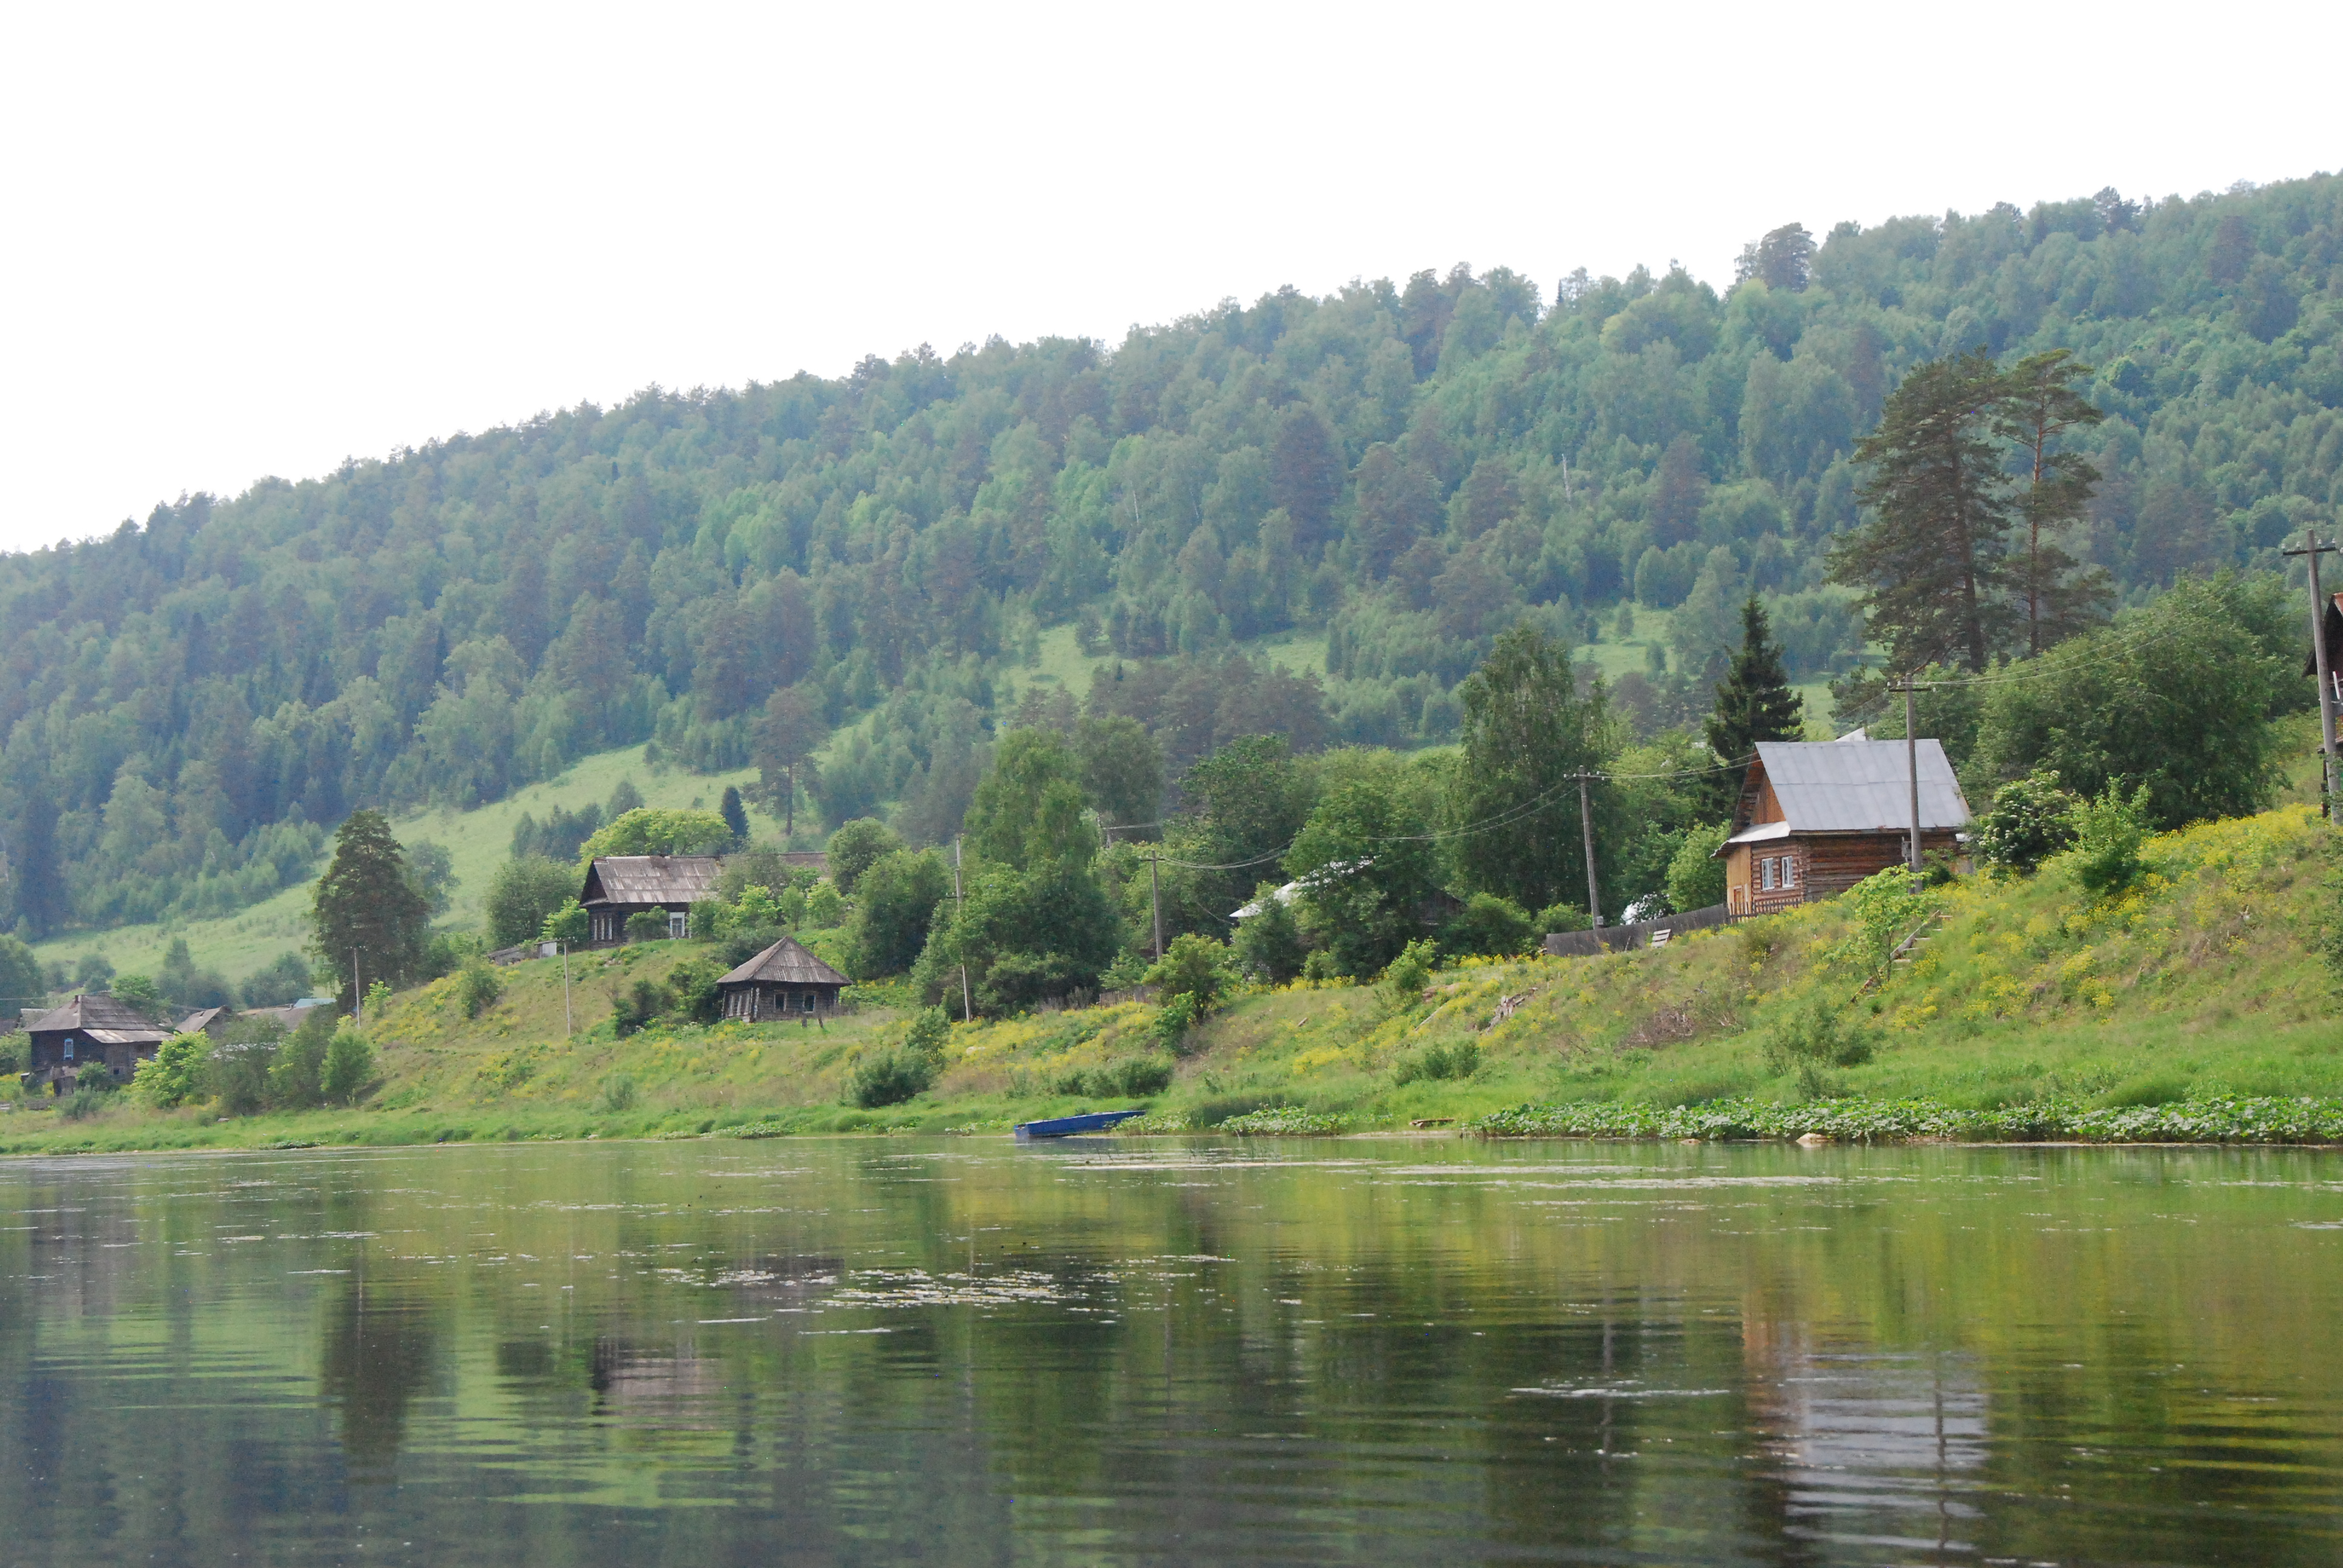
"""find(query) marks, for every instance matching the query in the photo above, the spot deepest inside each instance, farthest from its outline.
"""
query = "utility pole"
(1587, 834)
(1911, 770)
(569, 1025)
(967, 998)
(1155, 900)
(357, 993)
(2311, 550)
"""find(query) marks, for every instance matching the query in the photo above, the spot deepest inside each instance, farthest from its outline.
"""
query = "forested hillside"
(190, 705)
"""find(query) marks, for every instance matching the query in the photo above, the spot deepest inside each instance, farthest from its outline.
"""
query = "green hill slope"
(1392, 473)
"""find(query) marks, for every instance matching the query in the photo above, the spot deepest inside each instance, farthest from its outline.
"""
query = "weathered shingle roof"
(673, 881)
(197, 1022)
(786, 962)
(93, 1012)
(1861, 786)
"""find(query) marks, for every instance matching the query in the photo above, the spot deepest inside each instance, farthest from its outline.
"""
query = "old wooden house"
(619, 886)
(1815, 818)
(783, 982)
(89, 1033)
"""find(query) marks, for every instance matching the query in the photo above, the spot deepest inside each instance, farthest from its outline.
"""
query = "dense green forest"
(191, 706)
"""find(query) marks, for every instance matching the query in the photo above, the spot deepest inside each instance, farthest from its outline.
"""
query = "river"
(960, 1350)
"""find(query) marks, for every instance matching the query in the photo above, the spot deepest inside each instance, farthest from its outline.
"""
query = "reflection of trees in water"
(1872, 1446)
(377, 1355)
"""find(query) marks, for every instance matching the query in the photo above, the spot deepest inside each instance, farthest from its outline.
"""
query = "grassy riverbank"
(2205, 982)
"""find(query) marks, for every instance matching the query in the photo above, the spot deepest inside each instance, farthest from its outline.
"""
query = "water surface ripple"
(1156, 1350)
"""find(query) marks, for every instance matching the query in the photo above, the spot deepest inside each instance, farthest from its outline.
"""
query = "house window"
(1766, 873)
(678, 924)
(1789, 870)
(808, 1001)
(68, 1047)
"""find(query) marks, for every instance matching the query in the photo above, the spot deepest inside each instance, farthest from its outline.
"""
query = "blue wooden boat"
(1067, 1126)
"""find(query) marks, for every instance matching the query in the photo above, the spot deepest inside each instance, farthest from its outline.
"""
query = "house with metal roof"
(619, 886)
(783, 982)
(89, 1033)
(1815, 818)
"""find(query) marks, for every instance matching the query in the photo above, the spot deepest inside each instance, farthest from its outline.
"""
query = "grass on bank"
(2206, 981)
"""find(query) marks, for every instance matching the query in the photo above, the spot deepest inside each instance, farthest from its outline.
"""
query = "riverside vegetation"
(2196, 1003)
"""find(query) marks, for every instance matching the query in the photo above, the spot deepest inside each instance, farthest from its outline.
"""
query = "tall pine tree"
(1754, 703)
(367, 919)
(2056, 594)
(1931, 564)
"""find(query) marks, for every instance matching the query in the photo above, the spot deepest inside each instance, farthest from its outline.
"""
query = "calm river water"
(962, 1352)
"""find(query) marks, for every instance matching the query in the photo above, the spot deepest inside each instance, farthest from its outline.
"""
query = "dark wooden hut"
(88, 1033)
(782, 982)
(618, 886)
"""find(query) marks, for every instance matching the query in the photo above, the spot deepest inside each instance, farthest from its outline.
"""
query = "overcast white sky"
(242, 241)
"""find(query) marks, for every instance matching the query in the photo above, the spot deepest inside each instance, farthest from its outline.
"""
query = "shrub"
(238, 1076)
(82, 1103)
(296, 1078)
(633, 1009)
(646, 926)
(1176, 1023)
(928, 1030)
(1131, 1077)
(174, 1075)
(569, 925)
(856, 847)
(2108, 832)
(1195, 967)
(691, 990)
(348, 1068)
(1561, 917)
(888, 1076)
(1695, 875)
(1489, 926)
(1813, 1039)
(524, 892)
(1403, 981)
(1459, 1060)
(479, 988)
(619, 1092)
(1267, 945)
(2030, 819)
(824, 908)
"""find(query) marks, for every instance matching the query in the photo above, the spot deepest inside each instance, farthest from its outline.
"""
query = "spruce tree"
(1930, 565)
(735, 815)
(366, 913)
(1754, 703)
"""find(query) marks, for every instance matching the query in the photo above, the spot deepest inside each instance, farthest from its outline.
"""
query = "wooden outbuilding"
(1815, 818)
(618, 886)
(88, 1033)
(783, 982)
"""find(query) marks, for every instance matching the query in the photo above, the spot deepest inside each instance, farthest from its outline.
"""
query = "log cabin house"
(618, 886)
(88, 1033)
(1815, 818)
(783, 982)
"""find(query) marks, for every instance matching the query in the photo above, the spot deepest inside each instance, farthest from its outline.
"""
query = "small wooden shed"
(784, 982)
(617, 886)
(1815, 818)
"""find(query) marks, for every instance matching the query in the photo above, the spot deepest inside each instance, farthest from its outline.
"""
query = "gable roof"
(1859, 786)
(673, 881)
(786, 962)
(93, 1012)
(198, 1021)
